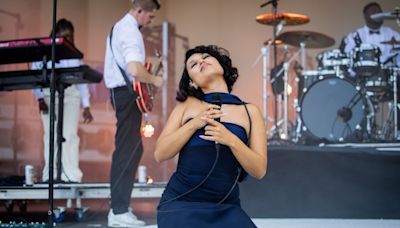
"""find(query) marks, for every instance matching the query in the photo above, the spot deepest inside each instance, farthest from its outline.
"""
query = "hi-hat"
(289, 18)
(309, 38)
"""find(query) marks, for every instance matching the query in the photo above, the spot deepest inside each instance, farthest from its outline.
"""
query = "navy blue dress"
(203, 192)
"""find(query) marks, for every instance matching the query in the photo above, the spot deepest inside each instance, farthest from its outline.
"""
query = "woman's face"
(203, 68)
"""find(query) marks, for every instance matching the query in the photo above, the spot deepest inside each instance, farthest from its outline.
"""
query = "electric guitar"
(146, 90)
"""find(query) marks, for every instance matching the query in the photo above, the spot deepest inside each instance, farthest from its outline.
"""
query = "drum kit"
(338, 101)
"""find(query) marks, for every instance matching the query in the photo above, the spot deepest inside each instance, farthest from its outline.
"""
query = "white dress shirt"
(83, 88)
(127, 46)
(385, 34)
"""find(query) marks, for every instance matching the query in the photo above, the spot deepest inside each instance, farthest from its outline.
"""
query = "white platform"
(326, 223)
(322, 223)
(77, 191)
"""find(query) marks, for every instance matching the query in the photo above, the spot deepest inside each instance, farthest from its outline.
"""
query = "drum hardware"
(391, 42)
(333, 109)
(391, 59)
(270, 42)
(279, 81)
(277, 20)
(288, 18)
(386, 132)
(378, 82)
(309, 38)
(396, 73)
(265, 54)
(333, 60)
(285, 93)
(385, 90)
(305, 39)
(302, 39)
(365, 60)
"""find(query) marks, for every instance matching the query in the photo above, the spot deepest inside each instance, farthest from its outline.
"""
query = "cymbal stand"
(391, 119)
(265, 53)
(303, 58)
(285, 81)
(396, 72)
(299, 122)
(275, 11)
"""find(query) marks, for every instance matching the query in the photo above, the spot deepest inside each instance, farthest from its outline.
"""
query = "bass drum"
(326, 104)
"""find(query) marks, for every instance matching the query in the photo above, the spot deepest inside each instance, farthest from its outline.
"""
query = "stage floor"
(100, 220)
(305, 186)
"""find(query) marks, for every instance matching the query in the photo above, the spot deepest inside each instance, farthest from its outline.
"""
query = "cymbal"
(309, 38)
(289, 18)
(392, 42)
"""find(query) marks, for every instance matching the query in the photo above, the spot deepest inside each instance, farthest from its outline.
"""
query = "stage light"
(289, 89)
(148, 129)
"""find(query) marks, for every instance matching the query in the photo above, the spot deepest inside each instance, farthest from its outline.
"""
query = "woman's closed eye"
(205, 56)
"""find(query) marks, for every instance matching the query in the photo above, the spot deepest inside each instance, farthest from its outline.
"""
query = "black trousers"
(128, 148)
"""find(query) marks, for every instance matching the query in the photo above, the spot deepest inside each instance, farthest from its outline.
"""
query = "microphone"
(344, 114)
(273, 2)
(380, 16)
(216, 99)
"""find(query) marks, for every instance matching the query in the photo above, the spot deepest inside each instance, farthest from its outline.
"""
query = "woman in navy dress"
(220, 140)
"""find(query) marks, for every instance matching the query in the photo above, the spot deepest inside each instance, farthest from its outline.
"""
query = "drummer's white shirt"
(386, 34)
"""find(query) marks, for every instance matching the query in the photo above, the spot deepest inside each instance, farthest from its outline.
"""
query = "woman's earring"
(193, 85)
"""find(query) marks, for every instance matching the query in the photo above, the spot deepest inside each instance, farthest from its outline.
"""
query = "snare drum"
(365, 60)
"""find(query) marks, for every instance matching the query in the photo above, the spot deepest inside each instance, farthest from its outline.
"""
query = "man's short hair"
(369, 5)
(146, 5)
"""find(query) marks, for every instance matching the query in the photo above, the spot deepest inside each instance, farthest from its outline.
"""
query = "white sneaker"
(123, 220)
(130, 210)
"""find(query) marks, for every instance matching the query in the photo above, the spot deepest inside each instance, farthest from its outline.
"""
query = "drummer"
(373, 32)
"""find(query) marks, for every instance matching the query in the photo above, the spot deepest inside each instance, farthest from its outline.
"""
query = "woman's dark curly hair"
(222, 56)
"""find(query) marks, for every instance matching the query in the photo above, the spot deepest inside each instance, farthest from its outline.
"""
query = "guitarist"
(124, 64)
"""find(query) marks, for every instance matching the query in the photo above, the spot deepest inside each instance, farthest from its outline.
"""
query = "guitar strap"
(128, 83)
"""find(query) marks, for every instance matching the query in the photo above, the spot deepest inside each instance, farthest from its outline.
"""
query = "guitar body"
(145, 98)
(145, 91)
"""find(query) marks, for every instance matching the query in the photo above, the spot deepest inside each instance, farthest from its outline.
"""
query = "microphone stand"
(274, 3)
(52, 118)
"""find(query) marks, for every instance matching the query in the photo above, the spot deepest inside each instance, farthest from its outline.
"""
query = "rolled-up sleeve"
(131, 43)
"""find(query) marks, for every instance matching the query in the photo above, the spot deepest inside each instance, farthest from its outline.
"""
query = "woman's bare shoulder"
(253, 109)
